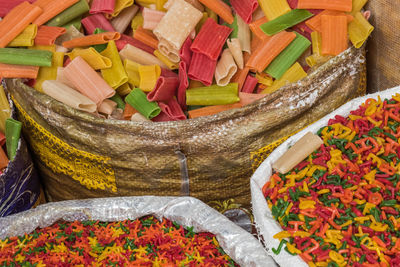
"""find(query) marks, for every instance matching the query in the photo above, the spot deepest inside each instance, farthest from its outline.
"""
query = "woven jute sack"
(383, 45)
(19, 183)
(210, 158)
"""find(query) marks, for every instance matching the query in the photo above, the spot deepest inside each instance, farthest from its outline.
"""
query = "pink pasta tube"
(183, 84)
(249, 84)
(126, 39)
(202, 68)
(172, 110)
(102, 6)
(87, 81)
(245, 8)
(90, 23)
(211, 39)
(164, 90)
(186, 53)
(151, 18)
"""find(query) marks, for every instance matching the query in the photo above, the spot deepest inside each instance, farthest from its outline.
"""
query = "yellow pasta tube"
(92, 57)
(137, 21)
(225, 69)
(25, 38)
(171, 65)
(314, 60)
(120, 5)
(5, 111)
(293, 74)
(148, 77)
(51, 48)
(357, 6)
(116, 75)
(160, 5)
(264, 79)
(359, 30)
(274, 8)
(146, 3)
(132, 69)
(316, 40)
(124, 89)
(49, 73)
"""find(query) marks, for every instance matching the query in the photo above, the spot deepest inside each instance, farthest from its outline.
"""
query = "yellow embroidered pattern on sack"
(92, 171)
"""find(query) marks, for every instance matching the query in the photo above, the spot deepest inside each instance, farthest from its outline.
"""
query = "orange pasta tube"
(16, 21)
(101, 38)
(220, 8)
(18, 71)
(47, 35)
(146, 37)
(269, 50)
(240, 77)
(255, 28)
(334, 34)
(211, 110)
(340, 5)
(315, 22)
(51, 8)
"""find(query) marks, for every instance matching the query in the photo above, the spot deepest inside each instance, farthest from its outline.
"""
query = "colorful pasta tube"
(244, 35)
(293, 74)
(236, 51)
(107, 107)
(47, 35)
(51, 8)
(186, 53)
(285, 21)
(274, 8)
(137, 21)
(132, 70)
(121, 5)
(49, 73)
(87, 81)
(16, 21)
(175, 27)
(71, 13)
(102, 6)
(339, 5)
(124, 89)
(125, 39)
(118, 99)
(171, 65)
(220, 8)
(240, 77)
(245, 8)
(18, 71)
(213, 95)
(173, 110)
(358, 5)
(256, 30)
(20, 56)
(138, 100)
(359, 30)
(316, 43)
(246, 98)
(211, 39)
(139, 118)
(211, 110)
(225, 69)
(62, 79)
(146, 37)
(250, 84)
(288, 56)
(269, 50)
(90, 23)
(25, 38)
(202, 69)
(148, 77)
(101, 38)
(122, 21)
(5, 110)
(183, 84)
(13, 133)
(334, 34)
(137, 55)
(164, 89)
(151, 18)
(129, 111)
(92, 57)
(68, 96)
(315, 22)
(6, 6)
(116, 75)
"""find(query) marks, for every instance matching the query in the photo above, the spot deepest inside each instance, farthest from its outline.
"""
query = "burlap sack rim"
(201, 121)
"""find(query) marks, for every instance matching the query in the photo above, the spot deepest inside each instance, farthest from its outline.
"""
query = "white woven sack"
(266, 225)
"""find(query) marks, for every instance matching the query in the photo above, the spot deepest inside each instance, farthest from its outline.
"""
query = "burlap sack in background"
(210, 158)
(383, 49)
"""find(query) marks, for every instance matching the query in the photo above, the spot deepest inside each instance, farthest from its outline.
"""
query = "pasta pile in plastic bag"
(171, 60)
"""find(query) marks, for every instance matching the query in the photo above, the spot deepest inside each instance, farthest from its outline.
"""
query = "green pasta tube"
(100, 47)
(13, 133)
(117, 99)
(234, 27)
(30, 57)
(75, 22)
(285, 21)
(288, 56)
(69, 14)
(213, 95)
(138, 99)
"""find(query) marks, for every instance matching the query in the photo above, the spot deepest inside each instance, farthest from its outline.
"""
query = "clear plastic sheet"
(241, 246)
(266, 225)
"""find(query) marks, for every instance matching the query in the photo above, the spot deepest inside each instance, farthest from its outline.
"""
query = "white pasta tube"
(175, 27)
(226, 68)
(107, 107)
(139, 56)
(236, 50)
(68, 96)
(124, 19)
(244, 35)
(138, 117)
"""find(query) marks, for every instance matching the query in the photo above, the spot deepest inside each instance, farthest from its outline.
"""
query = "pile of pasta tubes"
(159, 60)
